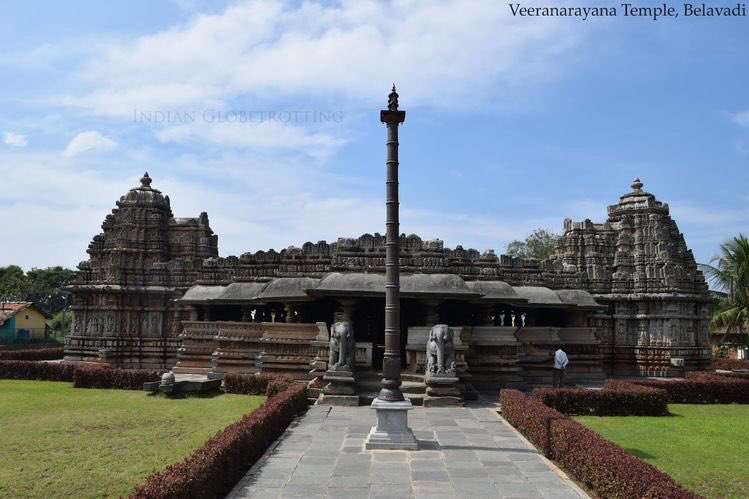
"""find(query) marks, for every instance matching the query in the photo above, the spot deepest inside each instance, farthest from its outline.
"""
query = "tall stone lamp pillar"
(392, 431)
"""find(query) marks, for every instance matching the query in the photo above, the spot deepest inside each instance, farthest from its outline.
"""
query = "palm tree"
(728, 273)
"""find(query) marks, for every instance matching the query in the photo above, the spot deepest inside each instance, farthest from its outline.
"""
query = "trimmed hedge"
(607, 468)
(216, 467)
(278, 385)
(591, 459)
(256, 384)
(33, 354)
(41, 371)
(732, 374)
(246, 384)
(702, 388)
(530, 416)
(616, 399)
(82, 376)
(87, 376)
(730, 364)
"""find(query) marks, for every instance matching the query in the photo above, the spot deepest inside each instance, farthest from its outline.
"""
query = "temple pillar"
(486, 314)
(290, 313)
(431, 312)
(346, 309)
(246, 313)
(391, 430)
(207, 313)
(643, 324)
(193, 313)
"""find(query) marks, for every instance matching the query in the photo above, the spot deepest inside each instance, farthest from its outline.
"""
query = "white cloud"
(741, 118)
(87, 141)
(351, 51)
(269, 135)
(15, 139)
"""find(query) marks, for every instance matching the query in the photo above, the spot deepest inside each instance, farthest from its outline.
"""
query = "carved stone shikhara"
(123, 309)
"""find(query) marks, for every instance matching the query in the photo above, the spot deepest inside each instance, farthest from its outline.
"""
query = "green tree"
(47, 287)
(57, 321)
(539, 244)
(728, 273)
(13, 283)
(44, 287)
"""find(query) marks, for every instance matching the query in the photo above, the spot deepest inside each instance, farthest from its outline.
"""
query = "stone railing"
(247, 347)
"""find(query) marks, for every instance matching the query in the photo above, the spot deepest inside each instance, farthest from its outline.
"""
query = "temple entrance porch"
(499, 342)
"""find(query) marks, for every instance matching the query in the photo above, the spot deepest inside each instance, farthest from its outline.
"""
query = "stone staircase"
(368, 384)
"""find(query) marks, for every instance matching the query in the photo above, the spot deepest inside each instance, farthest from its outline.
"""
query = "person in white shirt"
(560, 364)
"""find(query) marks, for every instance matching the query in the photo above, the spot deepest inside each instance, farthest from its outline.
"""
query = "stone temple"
(624, 297)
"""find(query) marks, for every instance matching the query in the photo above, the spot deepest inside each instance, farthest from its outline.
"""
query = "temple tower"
(144, 258)
(638, 263)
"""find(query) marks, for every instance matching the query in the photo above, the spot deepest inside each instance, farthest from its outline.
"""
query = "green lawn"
(704, 447)
(59, 441)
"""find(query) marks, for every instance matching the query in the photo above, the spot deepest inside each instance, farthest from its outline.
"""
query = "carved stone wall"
(636, 262)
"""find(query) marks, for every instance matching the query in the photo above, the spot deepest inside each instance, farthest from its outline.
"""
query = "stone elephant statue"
(342, 347)
(440, 350)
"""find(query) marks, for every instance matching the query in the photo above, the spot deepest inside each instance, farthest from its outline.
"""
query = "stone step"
(313, 392)
(191, 370)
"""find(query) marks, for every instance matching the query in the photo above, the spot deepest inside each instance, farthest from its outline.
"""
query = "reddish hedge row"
(591, 459)
(33, 354)
(88, 376)
(214, 469)
(530, 416)
(42, 371)
(732, 374)
(730, 364)
(607, 468)
(702, 388)
(256, 384)
(82, 376)
(616, 399)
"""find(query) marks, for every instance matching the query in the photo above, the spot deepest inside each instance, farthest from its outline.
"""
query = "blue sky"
(512, 123)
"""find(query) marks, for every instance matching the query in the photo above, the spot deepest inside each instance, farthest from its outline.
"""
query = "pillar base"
(392, 431)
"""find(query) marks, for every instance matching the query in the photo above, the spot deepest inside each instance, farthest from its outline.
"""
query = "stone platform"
(464, 452)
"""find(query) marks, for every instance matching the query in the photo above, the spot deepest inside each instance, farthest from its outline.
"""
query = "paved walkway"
(463, 452)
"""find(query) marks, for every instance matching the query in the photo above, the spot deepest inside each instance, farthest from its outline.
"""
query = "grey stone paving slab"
(463, 452)
(348, 492)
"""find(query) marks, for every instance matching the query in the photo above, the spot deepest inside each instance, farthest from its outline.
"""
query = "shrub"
(616, 399)
(247, 384)
(214, 469)
(530, 416)
(42, 371)
(702, 388)
(91, 376)
(730, 364)
(82, 376)
(256, 384)
(607, 468)
(33, 354)
(732, 374)
(278, 385)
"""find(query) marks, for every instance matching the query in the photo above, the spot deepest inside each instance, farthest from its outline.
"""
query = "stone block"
(392, 431)
(338, 400)
(443, 391)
